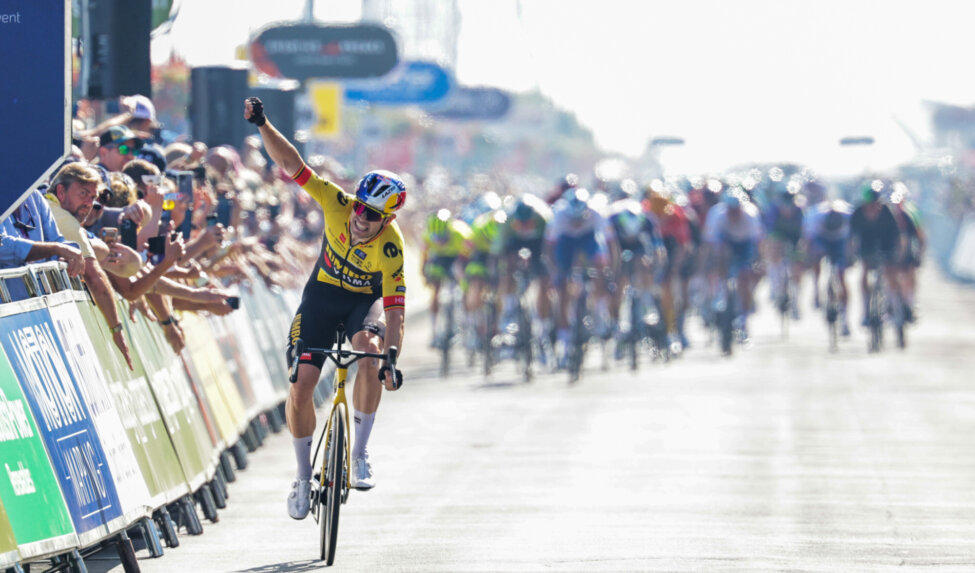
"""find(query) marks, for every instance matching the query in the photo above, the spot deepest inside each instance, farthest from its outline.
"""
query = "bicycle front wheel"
(331, 491)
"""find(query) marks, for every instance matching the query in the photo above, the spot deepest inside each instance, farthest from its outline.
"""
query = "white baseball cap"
(142, 108)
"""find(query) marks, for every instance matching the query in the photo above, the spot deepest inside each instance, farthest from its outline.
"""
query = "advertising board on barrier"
(266, 334)
(219, 387)
(229, 345)
(74, 447)
(137, 410)
(175, 401)
(9, 555)
(84, 364)
(251, 358)
(38, 517)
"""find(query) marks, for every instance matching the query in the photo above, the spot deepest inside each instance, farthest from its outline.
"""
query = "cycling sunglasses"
(124, 149)
(363, 210)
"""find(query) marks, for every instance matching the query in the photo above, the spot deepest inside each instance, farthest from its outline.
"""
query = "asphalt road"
(783, 457)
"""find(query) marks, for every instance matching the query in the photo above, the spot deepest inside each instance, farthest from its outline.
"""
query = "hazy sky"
(739, 80)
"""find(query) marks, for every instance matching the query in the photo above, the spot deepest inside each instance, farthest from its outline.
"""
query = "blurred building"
(425, 29)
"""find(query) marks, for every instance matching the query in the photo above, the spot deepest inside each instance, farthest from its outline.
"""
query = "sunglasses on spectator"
(363, 210)
(148, 179)
(124, 149)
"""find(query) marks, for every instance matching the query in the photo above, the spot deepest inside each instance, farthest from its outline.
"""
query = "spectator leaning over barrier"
(30, 234)
(71, 195)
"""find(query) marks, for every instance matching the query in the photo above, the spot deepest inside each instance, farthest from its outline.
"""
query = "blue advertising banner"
(35, 93)
(65, 423)
(414, 82)
(474, 103)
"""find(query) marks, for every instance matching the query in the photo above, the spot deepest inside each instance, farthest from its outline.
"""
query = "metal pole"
(309, 11)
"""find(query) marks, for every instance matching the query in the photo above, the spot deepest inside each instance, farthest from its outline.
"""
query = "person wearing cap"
(117, 146)
(153, 154)
(142, 116)
(71, 195)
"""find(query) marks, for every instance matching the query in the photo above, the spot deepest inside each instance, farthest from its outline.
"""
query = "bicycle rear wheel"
(331, 491)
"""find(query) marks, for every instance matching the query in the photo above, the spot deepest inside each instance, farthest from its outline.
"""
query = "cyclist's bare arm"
(394, 335)
(277, 145)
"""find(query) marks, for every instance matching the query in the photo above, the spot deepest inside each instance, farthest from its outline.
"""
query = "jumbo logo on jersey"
(343, 198)
(339, 272)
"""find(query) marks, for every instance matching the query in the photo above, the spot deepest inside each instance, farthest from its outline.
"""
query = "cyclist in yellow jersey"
(446, 248)
(358, 281)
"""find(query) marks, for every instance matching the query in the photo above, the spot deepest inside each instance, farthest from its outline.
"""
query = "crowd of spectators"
(165, 226)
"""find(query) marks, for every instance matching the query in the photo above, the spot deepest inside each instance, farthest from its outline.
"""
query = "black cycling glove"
(397, 377)
(257, 111)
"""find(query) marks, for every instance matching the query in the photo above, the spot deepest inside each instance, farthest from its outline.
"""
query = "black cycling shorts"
(322, 309)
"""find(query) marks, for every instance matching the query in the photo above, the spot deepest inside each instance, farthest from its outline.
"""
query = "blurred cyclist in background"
(733, 232)
(578, 236)
(783, 222)
(826, 233)
(446, 249)
(876, 237)
(676, 264)
(909, 220)
(523, 233)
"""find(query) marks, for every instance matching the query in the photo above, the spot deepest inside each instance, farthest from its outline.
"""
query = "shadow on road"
(288, 566)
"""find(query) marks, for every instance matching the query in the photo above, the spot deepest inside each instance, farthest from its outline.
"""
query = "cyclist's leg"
(314, 326)
(597, 251)
(368, 323)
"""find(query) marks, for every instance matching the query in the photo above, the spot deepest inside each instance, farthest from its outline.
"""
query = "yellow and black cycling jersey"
(374, 267)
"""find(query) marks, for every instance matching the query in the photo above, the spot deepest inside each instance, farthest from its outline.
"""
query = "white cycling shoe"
(362, 478)
(299, 500)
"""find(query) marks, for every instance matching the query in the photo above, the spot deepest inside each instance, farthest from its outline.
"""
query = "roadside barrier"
(93, 451)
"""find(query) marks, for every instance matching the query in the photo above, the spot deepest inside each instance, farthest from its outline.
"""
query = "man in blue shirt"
(28, 235)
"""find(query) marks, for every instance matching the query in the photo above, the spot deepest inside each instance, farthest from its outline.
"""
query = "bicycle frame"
(339, 400)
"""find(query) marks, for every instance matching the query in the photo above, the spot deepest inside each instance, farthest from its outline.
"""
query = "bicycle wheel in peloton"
(725, 322)
(579, 336)
(331, 492)
(875, 321)
(636, 329)
(524, 341)
(447, 336)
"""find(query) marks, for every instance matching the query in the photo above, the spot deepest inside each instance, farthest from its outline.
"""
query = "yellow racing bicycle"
(333, 478)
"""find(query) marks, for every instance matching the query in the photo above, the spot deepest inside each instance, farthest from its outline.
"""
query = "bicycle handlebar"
(336, 355)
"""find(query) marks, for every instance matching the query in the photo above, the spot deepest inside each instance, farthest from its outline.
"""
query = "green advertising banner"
(137, 409)
(175, 400)
(29, 489)
(9, 556)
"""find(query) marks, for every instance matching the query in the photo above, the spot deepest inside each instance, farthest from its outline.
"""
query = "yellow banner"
(326, 99)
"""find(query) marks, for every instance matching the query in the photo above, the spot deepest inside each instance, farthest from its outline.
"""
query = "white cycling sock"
(303, 455)
(363, 427)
